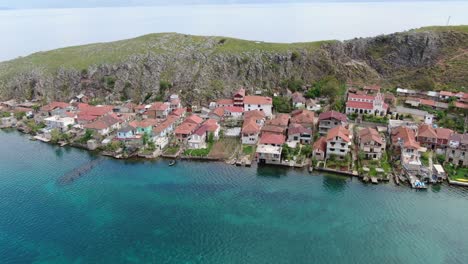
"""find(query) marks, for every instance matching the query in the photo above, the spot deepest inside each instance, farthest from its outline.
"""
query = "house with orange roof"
(269, 149)
(224, 102)
(217, 114)
(257, 115)
(233, 112)
(319, 149)
(239, 97)
(104, 125)
(198, 140)
(366, 104)
(55, 108)
(158, 110)
(330, 119)
(272, 139)
(338, 142)
(280, 120)
(371, 143)
(303, 117)
(250, 132)
(404, 140)
(298, 100)
(262, 103)
(144, 126)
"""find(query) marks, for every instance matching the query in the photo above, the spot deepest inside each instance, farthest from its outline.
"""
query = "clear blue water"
(30, 30)
(147, 212)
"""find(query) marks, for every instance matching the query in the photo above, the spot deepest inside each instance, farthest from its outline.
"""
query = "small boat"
(172, 163)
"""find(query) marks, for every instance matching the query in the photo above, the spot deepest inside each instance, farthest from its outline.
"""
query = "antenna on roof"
(448, 20)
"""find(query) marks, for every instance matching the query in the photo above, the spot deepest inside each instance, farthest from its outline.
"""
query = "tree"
(145, 138)
(55, 136)
(20, 115)
(307, 150)
(87, 136)
(282, 104)
(211, 138)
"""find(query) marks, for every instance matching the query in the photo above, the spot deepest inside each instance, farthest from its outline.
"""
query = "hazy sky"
(15, 4)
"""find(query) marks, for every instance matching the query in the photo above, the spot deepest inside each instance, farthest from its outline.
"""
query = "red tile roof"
(340, 132)
(372, 87)
(225, 102)
(194, 119)
(211, 124)
(280, 120)
(446, 93)
(54, 105)
(320, 144)
(426, 131)
(360, 105)
(333, 115)
(186, 128)
(256, 114)
(461, 105)
(178, 112)
(303, 117)
(406, 135)
(273, 129)
(159, 106)
(144, 123)
(369, 135)
(240, 92)
(258, 100)
(234, 109)
(443, 133)
(362, 97)
(272, 139)
(250, 126)
(298, 129)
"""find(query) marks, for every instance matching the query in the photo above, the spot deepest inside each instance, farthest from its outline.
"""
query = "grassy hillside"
(81, 57)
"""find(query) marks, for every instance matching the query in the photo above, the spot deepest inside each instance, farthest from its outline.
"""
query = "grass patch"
(199, 152)
(247, 150)
(171, 150)
(457, 174)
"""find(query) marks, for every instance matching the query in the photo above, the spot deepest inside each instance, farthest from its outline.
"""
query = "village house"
(158, 110)
(174, 102)
(433, 138)
(257, 115)
(298, 100)
(188, 127)
(331, 119)
(270, 129)
(312, 105)
(457, 151)
(104, 125)
(262, 103)
(198, 140)
(268, 154)
(250, 132)
(338, 142)
(144, 126)
(221, 103)
(55, 109)
(372, 89)
(60, 123)
(280, 120)
(272, 139)
(233, 112)
(126, 133)
(405, 92)
(303, 117)
(88, 113)
(319, 149)
(297, 133)
(404, 140)
(217, 114)
(366, 104)
(165, 128)
(371, 143)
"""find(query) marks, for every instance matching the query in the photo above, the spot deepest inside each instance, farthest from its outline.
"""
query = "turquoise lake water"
(147, 212)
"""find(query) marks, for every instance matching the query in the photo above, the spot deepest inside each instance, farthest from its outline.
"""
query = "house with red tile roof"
(55, 108)
(371, 89)
(330, 119)
(404, 139)
(371, 143)
(299, 134)
(166, 127)
(338, 142)
(194, 119)
(224, 102)
(262, 103)
(366, 104)
(272, 139)
(457, 151)
(239, 97)
(303, 117)
(233, 112)
(250, 132)
(104, 125)
(433, 138)
(280, 120)
(319, 149)
(217, 114)
(158, 110)
(184, 130)
(298, 100)
(198, 140)
(279, 130)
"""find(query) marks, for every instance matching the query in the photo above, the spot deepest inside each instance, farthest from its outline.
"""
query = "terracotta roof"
(427, 102)
(298, 129)
(144, 123)
(94, 110)
(461, 105)
(406, 135)
(360, 105)
(201, 130)
(369, 135)
(178, 112)
(175, 101)
(194, 119)
(218, 112)
(427, 131)
(159, 106)
(274, 139)
(303, 117)
(320, 144)
(446, 93)
(225, 102)
(279, 120)
(103, 122)
(273, 129)
(258, 100)
(250, 126)
(54, 105)
(234, 109)
(256, 114)
(186, 128)
(340, 132)
(362, 97)
(333, 114)
(164, 125)
(443, 133)
(211, 125)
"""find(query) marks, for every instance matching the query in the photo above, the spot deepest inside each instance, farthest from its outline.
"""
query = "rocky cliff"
(202, 68)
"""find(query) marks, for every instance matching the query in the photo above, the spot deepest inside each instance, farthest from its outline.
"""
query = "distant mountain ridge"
(203, 68)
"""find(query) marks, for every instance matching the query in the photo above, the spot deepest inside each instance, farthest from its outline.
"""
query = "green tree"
(282, 104)
(211, 138)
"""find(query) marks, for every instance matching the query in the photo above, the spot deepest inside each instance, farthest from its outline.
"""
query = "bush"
(282, 104)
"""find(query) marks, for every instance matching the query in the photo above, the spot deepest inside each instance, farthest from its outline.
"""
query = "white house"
(57, 122)
(262, 103)
(338, 141)
(268, 154)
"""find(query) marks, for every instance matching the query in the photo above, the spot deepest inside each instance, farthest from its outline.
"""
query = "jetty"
(78, 172)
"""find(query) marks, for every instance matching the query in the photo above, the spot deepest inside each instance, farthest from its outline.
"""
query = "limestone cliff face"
(203, 68)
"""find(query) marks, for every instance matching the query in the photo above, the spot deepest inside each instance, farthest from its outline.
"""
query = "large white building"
(338, 142)
(261, 103)
(366, 104)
